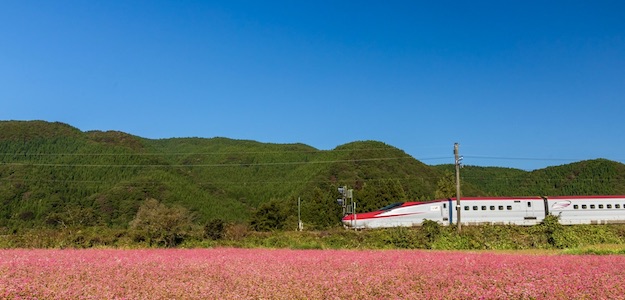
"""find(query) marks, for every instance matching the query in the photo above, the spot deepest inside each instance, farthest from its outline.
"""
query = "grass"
(598, 249)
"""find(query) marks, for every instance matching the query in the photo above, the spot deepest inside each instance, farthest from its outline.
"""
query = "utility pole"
(300, 225)
(458, 159)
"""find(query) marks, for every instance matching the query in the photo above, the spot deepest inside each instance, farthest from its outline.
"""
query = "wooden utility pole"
(458, 159)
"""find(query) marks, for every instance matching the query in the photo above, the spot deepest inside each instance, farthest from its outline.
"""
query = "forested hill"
(53, 173)
(590, 177)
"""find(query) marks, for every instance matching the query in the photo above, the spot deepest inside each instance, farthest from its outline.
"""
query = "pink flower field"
(305, 274)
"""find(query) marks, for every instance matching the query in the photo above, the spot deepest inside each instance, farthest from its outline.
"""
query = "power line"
(532, 181)
(276, 163)
(522, 158)
(191, 153)
(126, 180)
(208, 165)
(26, 154)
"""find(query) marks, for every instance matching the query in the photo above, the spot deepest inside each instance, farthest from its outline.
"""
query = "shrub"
(236, 232)
(160, 225)
(269, 216)
(401, 237)
(431, 230)
(557, 235)
(214, 229)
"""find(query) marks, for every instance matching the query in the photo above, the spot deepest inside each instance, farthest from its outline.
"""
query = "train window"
(575, 206)
(600, 205)
(509, 207)
(592, 206)
(529, 204)
(608, 206)
(483, 207)
(584, 206)
(466, 208)
(475, 207)
(492, 207)
(617, 206)
(500, 207)
(391, 206)
(444, 205)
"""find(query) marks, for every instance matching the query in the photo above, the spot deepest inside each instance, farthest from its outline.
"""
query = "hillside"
(53, 173)
(51, 170)
(590, 177)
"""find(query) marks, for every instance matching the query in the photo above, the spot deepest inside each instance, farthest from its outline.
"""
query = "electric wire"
(259, 164)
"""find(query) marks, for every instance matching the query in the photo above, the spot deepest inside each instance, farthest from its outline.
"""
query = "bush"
(269, 216)
(159, 225)
(236, 232)
(557, 235)
(214, 229)
(431, 230)
(401, 238)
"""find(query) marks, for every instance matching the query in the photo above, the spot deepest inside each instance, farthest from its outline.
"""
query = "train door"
(530, 213)
(447, 212)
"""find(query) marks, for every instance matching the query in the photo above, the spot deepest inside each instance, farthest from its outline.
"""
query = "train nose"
(348, 220)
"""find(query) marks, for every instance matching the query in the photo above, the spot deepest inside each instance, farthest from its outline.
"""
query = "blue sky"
(523, 84)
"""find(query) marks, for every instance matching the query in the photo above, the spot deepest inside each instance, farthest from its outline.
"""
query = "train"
(495, 210)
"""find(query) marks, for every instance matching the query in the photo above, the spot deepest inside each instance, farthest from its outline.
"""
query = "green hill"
(50, 170)
(53, 173)
(590, 177)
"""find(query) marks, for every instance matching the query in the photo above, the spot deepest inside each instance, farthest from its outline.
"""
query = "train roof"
(534, 198)
(587, 197)
(411, 203)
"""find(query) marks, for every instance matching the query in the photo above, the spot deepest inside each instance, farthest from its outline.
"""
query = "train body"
(495, 210)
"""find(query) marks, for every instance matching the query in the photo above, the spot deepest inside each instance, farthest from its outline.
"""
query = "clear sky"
(523, 84)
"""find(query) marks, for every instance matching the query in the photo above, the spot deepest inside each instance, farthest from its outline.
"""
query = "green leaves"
(269, 216)
(161, 225)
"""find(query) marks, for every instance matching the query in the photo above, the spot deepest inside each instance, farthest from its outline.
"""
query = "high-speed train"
(495, 210)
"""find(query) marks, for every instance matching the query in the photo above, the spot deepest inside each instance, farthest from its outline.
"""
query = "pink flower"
(305, 274)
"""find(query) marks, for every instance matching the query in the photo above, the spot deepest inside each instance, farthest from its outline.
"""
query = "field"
(226, 273)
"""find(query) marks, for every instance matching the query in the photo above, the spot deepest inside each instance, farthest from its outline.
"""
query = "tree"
(161, 225)
(446, 186)
(320, 210)
(379, 193)
(269, 216)
(73, 217)
(214, 229)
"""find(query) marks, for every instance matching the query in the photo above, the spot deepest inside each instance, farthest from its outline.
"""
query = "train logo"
(560, 205)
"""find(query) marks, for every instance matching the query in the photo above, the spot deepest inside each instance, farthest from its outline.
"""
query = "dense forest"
(54, 175)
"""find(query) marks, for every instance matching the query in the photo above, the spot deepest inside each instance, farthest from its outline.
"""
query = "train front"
(348, 220)
(393, 215)
(351, 221)
(372, 219)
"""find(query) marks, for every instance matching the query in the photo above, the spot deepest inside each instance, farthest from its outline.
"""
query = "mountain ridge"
(48, 169)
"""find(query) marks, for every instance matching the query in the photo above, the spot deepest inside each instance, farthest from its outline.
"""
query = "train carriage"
(496, 210)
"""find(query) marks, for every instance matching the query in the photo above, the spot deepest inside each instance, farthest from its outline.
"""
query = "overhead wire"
(244, 164)
(521, 158)
(213, 165)
(192, 153)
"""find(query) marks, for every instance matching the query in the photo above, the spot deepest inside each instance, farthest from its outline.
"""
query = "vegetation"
(578, 239)
(63, 187)
(590, 177)
(160, 225)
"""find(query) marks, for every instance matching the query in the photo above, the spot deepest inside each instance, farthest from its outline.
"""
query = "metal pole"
(354, 205)
(300, 226)
(458, 208)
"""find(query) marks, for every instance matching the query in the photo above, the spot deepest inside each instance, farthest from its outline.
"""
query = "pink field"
(305, 274)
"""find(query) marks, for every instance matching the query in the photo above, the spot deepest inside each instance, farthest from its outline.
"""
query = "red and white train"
(496, 210)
